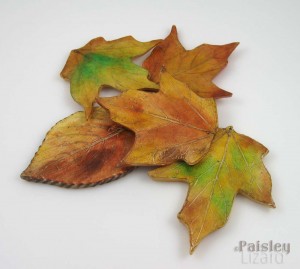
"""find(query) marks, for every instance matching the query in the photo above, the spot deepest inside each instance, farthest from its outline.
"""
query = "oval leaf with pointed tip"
(106, 63)
(172, 124)
(196, 67)
(79, 153)
(233, 165)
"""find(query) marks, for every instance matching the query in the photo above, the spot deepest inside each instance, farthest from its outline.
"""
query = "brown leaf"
(196, 67)
(79, 153)
(172, 124)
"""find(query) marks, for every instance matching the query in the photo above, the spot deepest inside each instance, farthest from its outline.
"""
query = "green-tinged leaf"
(233, 165)
(106, 63)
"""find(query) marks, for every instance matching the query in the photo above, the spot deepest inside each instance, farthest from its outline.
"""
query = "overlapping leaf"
(78, 153)
(106, 63)
(172, 124)
(196, 67)
(233, 165)
(175, 126)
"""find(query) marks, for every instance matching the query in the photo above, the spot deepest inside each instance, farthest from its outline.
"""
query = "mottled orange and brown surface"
(197, 67)
(172, 124)
(81, 153)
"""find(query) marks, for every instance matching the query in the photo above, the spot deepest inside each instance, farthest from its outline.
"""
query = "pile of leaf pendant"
(166, 117)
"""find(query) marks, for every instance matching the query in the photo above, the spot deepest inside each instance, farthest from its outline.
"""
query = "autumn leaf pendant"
(166, 116)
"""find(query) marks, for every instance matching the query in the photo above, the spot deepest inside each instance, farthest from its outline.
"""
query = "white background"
(131, 223)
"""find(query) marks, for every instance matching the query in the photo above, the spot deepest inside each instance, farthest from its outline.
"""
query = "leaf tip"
(157, 175)
(75, 57)
(88, 112)
(174, 29)
(229, 129)
(64, 74)
(231, 47)
(227, 94)
(222, 94)
(235, 44)
(192, 249)
(27, 175)
(23, 174)
(272, 204)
